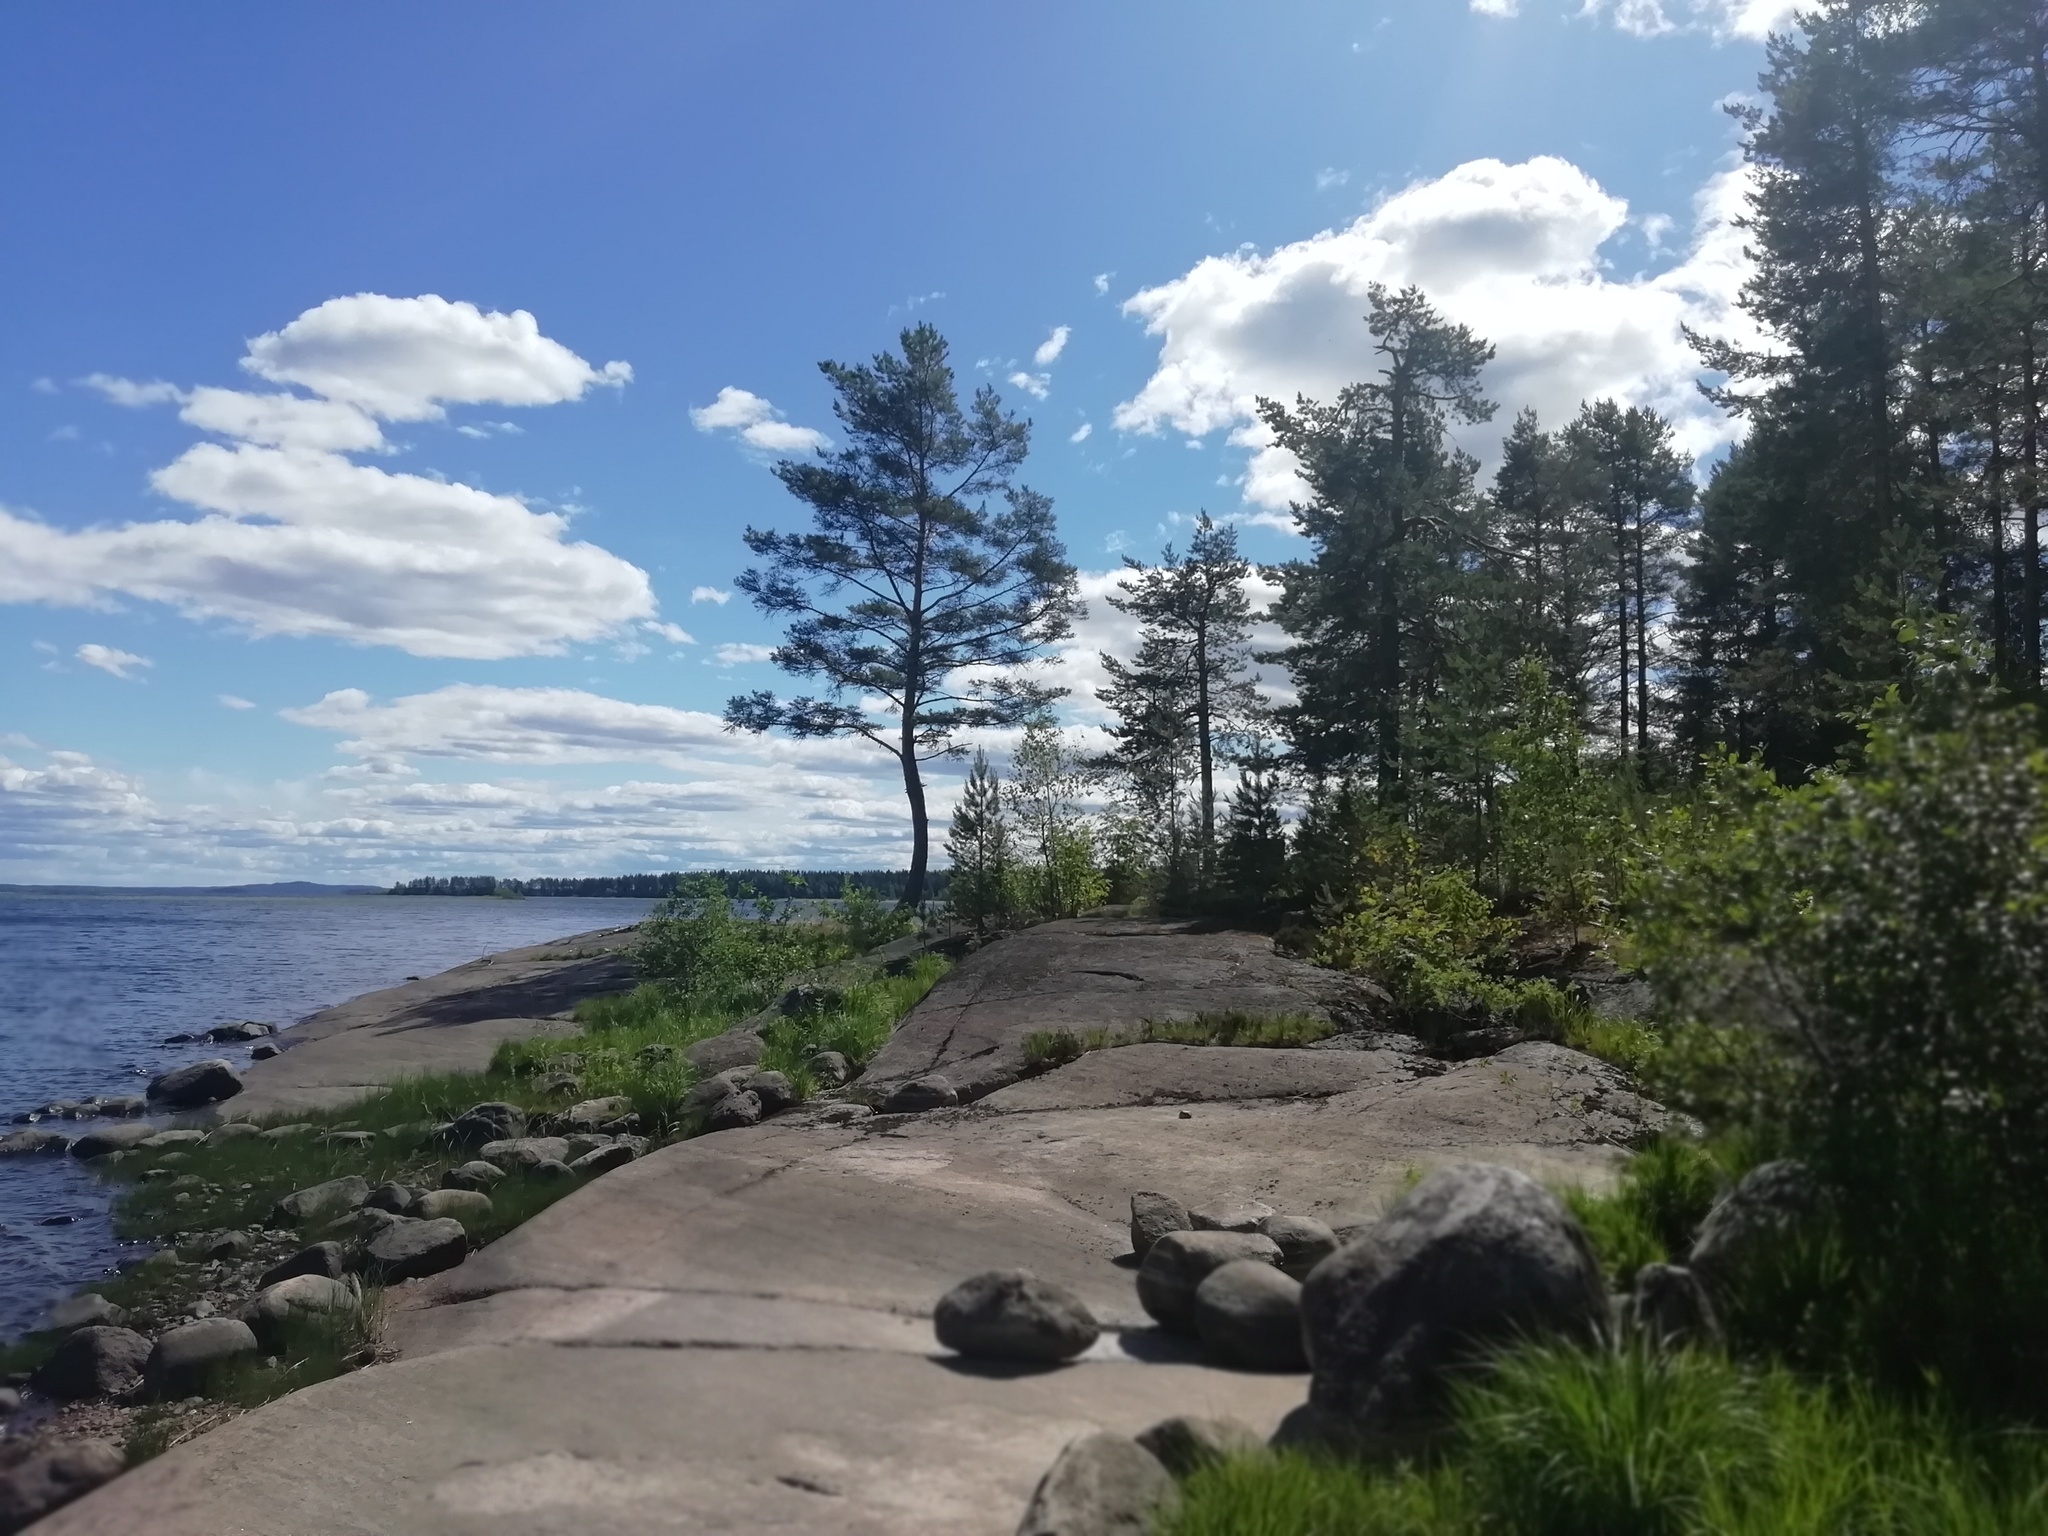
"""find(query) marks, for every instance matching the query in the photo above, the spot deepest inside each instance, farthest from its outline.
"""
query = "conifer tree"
(1254, 852)
(979, 849)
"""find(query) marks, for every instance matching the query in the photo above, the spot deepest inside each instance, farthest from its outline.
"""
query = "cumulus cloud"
(1753, 20)
(1102, 282)
(115, 663)
(1514, 251)
(1497, 7)
(710, 595)
(295, 538)
(402, 358)
(734, 655)
(1036, 385)
(1049, 350)
(1082, 433)
(756, 422)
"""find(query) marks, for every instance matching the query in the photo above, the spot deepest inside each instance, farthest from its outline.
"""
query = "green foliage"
(1048, 1048)
(1288, 1493)
(857, 1022)
(1657, 1204)
(983, 888)
(1057, 872)
(1559, 825)
(700, 946)
(868, 924)
(1252, 863)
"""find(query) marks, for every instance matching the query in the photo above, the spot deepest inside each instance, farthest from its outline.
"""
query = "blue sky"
(383, 388)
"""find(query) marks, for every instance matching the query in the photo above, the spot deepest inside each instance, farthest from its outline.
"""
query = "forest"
(1763, 734)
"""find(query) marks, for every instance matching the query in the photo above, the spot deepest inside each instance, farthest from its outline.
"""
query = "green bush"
(703, 949)
(1866, 960)
(1661, 1197)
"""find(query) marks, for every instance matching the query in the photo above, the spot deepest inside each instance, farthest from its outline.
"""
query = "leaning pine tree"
(911, 588)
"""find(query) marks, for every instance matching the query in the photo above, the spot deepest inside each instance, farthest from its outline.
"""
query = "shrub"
(699, 946)
(1658, 1203)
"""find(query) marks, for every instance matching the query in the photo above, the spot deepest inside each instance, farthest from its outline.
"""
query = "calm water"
(91, 985)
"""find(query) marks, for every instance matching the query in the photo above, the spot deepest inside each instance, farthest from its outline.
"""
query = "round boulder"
(479, 1175)
(933, 1092)
(96, 1361)
(1249, 1314)
(1304, 1242)
(1011, 1314)
(184, 1357)
(112, 1138)
(1101, 1485)
(336, 1197)
(275, 1308)
(1245, 1216)
(733, 1112)
(525, 1152)
(88, 1309)
(1769, 1206)
(52, 1477)
(830, 1068)
(395, 1198)
(601, 1160)
(1153, 1215)
(196, 1085)
(407, 1249)
(464, 1205)
(1185, 1443)
(1180, 1261)
(481, 1123)
(328, 1259)
(773, 1089)
(1474, 1256)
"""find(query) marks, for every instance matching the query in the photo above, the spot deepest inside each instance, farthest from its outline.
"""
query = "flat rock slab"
(1097, 973)
(533, 1438)
(452, 1022)
(1131, 1075)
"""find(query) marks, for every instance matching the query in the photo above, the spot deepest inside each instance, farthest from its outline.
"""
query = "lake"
(90, 986)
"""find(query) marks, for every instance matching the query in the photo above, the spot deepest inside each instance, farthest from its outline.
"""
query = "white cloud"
(1036, 385)
(491, 429)
(710, 595)
(131, 394)
(1514, 251)
(1752, 20)
(293, 538)
(1329, 176)
(1102, 281)
(108, 660)
(1082, 433)
(757, 422)
(235, 701)
(401, 358)
(1049, 350)
(44, 386)
(732, 655)
(674, 634)
(1497, 7)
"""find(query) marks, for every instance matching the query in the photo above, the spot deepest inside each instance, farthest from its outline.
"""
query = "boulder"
(52, 1477)
(1769, 1206)
(721, 1053)
(1242, 1217)
(238, 1034)
(1668, 1305)
(465, 1205)
(479, 1175)
(844, 1114)
(702, 1096)
(920, 1094)
(408, 1249)
(551, 1170)
(225, 1245)
(1249, 1314)
(88, 1309)
(524, 1153)
(1153, 1215)
(1185, 1444)
(592, 1113)
(732, 1112)
(336, 1197)
(1180, 1261)
(96, 1361)
(602, 1160)
(112, 1138)
(196, 1085)
(773, 1089)
(1101, 1485)
(1304, 1242)
(288, 1132)
(272, 1311)
(326, 1259)
(582, 1144)
(1011, 1314)
(263, 1051)
(482, 1123)
(33, 1142)
(185, 1356)
(126, 1105)
(830, 1068)
(234, 1130)
(165, 1141)
(1472, 1257)
(10, 1401)
(395, 1198)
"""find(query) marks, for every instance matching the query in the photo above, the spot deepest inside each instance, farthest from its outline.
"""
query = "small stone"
(702, 1096)
(1153, 1215)
(327, 1259)
(234, 1130)
(481, 1123)
(88, 1309)
(1180, 1261)
(334, 1198)
(1187, 1114)
(465, 1205)
(125, 1106)
(582, 1144)
(1243, 1217)
(844, 1114)
(479, 1175)
(1185, 1444)
(1304, 1242)
(112, 1138)
(275, 1308)
(33, 1142)
(1668, 1306)
(1011, 1314)
(95, 1361)
(236, 1034)
(1101, 1485)
(773, 1089)
(263, 1051)
(732, 1112)
(592, 1113)
(184, 1357)
(830, 1068)
(721, 1053)
(551, 1170)
(602, 1160)
(924, 1093)
(408, 1249)
(524, 1153)
(50, 1478)
(288, 1132)
(1249, 1314)
(226, 1245)
(395, 1198)
(194, 1086)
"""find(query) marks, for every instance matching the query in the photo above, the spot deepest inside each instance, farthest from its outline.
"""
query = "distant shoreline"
(279, 888)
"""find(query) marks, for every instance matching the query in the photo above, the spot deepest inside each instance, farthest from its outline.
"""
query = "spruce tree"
(1254, 853)
(979, 850)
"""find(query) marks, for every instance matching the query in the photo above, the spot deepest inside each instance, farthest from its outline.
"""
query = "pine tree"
(979, 850)
(1253, 859)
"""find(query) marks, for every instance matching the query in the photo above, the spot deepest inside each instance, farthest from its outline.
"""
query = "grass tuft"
(1045, 1049)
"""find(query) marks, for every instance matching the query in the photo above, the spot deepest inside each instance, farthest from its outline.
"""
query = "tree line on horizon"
(737, 884)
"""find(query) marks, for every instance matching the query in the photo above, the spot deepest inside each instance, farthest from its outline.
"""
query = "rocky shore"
(765, 1327)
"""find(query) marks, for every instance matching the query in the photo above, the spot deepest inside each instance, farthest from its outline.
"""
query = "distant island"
(274, 888)
(770, 884)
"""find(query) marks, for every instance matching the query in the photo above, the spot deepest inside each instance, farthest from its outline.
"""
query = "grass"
(1663, 1194)
(1045, 1049)
(1559, 1441)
